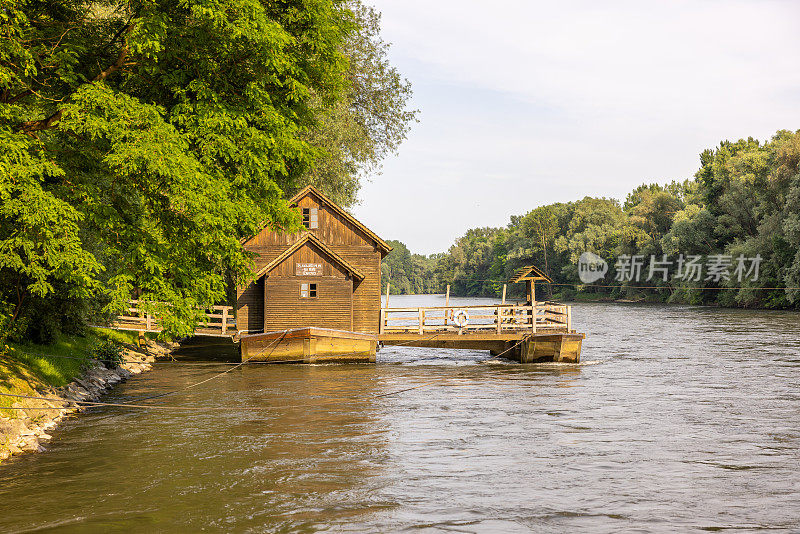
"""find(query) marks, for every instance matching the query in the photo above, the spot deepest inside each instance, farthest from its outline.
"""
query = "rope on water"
(129, 404)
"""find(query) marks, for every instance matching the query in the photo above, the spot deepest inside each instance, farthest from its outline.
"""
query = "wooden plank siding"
(331, 309)
(342, 237)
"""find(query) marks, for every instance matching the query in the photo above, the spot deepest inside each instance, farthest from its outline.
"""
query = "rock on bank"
(36, 418)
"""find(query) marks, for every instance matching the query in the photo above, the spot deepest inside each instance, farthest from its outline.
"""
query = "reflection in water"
(679, 418)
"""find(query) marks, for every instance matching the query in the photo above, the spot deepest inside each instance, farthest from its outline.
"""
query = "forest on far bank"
(742, 207)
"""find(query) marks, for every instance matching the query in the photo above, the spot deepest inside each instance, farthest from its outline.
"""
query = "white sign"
(308, 269)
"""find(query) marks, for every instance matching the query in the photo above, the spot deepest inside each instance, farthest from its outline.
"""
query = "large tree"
(140, 140)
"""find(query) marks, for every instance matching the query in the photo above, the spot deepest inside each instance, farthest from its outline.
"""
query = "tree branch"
(30, 127)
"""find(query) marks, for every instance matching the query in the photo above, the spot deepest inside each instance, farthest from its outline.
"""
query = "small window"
(308, 291)
(310, 218)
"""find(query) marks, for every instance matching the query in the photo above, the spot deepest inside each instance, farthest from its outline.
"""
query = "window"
(308, 291)
(310, 218)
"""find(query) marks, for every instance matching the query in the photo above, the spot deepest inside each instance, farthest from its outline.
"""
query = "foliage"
(355, 134)
(407, 273)
(744, 200)
(140, 141)
(108, 352)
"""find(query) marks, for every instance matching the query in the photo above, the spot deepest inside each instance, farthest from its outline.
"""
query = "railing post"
(569, 319)
(148, 321)
(421, 321)
(224, 320)
(533, 317)
(499, 319)
(382, 327)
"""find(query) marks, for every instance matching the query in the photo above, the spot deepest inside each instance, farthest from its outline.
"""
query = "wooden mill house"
(322, 285)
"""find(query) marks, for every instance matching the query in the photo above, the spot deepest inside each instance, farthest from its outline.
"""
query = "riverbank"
(25, 423)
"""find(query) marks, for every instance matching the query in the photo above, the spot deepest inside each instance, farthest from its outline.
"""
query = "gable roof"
(529, 272)
(310, 189)
(305, 238)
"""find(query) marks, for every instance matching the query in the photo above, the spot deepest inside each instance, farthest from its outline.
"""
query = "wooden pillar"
(421, 321)
(504, 292)
(383, 321)
(569, 318)
(224, 320)
(446, 304)
(387, 295)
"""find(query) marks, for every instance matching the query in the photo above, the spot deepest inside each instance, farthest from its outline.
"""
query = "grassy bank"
(26, 367)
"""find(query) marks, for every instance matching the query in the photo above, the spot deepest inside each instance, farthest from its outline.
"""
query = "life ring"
(461, 318)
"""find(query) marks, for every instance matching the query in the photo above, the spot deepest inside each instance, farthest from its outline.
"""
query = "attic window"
(308, 291)
(310, 219)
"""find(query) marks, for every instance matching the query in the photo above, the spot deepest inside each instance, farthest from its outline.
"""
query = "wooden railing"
(219, 320)
(499, 319)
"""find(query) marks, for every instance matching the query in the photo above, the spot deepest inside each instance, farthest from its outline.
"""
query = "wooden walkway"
(220, 321)
(499, 319)
(539, 332)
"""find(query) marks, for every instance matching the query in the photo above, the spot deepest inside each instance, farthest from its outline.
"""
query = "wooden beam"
(446, 303)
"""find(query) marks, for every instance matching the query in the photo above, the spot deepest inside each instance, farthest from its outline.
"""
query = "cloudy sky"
(524, 103)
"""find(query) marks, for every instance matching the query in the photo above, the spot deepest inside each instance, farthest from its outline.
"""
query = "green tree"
(140, 141)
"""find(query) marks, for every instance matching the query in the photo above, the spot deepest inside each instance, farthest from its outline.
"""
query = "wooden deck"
(526, 333)
(540, 332)
(501, 319)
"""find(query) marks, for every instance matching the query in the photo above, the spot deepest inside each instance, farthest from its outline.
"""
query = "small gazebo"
(530, 274)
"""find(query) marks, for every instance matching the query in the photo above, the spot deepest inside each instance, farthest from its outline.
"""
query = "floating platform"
(309, 345)
(523, 347)
(539, 332)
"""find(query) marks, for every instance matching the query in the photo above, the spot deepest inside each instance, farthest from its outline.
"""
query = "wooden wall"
(331, 309)
(250, 307)
(341, 236)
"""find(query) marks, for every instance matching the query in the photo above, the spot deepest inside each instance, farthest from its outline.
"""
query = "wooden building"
(326, 276)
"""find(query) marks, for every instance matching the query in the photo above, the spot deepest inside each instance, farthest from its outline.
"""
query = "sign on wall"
(308, 269)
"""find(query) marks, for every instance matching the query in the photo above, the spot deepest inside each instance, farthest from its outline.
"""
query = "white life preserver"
(461, 318)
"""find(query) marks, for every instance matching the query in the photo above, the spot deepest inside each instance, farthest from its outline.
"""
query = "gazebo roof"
(529, 272)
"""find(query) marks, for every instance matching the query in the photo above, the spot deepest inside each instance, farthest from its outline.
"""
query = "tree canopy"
(140, 140)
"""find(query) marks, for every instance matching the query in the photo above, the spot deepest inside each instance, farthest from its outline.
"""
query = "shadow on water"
(208, 349)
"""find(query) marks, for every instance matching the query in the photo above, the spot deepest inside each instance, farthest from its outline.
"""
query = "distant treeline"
(741, 211)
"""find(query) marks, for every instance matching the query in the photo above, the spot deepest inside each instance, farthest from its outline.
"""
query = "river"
(679, 418)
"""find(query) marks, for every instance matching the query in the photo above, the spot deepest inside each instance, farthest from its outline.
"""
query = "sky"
(526, 103)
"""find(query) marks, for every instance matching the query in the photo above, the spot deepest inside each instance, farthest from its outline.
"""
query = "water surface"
(680, 418)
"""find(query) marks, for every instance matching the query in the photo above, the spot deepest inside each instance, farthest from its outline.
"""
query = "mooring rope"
(128, 404)
(272, 345)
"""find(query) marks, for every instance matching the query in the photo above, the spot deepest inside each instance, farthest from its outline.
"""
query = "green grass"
(26, 367)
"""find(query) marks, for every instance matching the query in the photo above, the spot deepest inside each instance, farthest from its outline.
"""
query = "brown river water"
(678, 419)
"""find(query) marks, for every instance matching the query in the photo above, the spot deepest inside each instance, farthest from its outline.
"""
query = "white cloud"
(526, 103)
